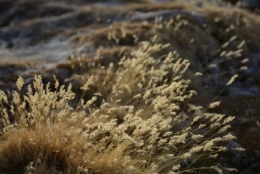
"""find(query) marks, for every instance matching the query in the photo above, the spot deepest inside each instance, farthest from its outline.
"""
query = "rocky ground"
(220, 38)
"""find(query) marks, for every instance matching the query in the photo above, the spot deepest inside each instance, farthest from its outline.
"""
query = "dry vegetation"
(142, 108)
(141, 129)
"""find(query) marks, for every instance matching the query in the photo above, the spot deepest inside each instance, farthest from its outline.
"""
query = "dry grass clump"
(216, 60)
(140, 129)
(215, 41)
(126, 34)
(141, 72)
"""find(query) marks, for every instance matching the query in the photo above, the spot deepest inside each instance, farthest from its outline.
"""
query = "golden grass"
(215, 40)
(137, 131)
(142, 125)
